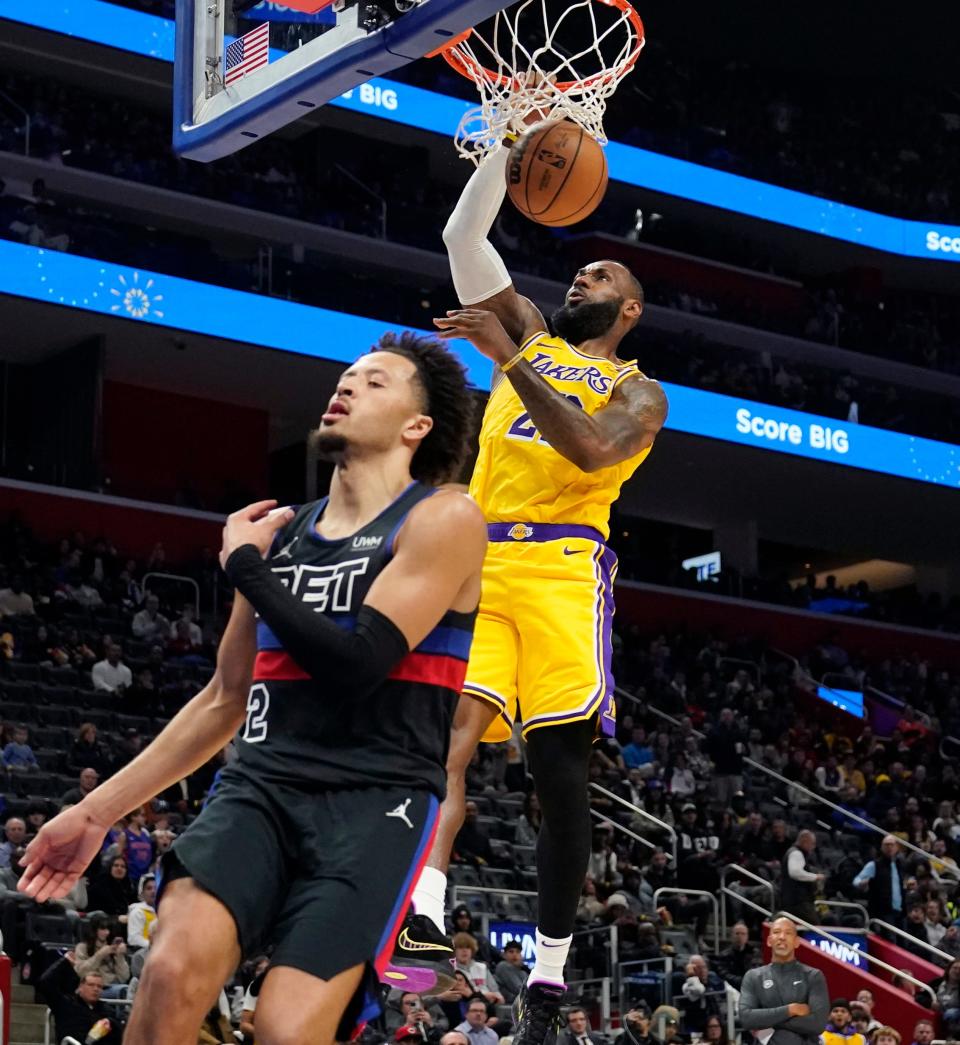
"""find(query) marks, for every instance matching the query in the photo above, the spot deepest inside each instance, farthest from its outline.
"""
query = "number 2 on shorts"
(258, 702)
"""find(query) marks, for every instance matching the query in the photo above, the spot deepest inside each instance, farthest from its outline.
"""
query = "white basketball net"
(516, 77)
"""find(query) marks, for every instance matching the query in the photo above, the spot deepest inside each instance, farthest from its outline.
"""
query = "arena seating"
(126, 140)
(675, 686)
(768, 123)
(870, 342)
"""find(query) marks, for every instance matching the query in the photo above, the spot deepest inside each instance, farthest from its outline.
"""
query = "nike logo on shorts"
(574, 551)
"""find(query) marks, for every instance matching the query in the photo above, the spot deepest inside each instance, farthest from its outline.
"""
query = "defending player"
(315, 835)
(566, 424)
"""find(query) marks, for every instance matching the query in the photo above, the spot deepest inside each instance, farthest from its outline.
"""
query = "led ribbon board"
(106, 23)
(182, 304)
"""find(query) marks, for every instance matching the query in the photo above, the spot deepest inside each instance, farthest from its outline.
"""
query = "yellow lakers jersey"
(519, 477)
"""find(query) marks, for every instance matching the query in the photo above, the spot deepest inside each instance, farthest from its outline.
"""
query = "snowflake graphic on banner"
(934, 463)
(136, 300)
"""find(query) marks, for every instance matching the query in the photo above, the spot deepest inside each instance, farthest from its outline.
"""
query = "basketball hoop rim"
(468, 67)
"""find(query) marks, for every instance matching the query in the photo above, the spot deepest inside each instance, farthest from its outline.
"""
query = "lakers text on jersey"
(542, 646)
(519, 477)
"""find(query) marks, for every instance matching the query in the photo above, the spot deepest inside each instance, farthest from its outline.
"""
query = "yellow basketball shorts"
(542, 648)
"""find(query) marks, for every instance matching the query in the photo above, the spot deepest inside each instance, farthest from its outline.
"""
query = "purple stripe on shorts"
(607, 709)
(535, 532)
(602, 700)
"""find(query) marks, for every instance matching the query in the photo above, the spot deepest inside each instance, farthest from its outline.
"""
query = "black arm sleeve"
(356, 661)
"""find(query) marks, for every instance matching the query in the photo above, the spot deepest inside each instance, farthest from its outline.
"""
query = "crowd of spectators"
(91, 666)
(77, 616)
(907, 605)
(116, 137)
(889, 147)
(39, 218)
(692, 772)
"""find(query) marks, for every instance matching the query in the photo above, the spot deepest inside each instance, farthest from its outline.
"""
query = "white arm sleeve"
(478, 270)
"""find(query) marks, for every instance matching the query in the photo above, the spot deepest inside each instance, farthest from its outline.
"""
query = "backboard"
(313, 65)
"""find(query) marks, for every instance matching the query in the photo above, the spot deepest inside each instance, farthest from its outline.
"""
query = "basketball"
(556, 173)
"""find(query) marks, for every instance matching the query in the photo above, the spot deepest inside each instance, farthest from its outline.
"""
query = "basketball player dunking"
(313, 839)
(566, 424)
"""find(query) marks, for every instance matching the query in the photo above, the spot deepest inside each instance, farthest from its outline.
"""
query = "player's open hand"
(481, 328)
(539, 89)
(61, 852)
(256, 524)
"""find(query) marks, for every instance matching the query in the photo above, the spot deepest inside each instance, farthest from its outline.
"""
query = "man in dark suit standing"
(785, 1002)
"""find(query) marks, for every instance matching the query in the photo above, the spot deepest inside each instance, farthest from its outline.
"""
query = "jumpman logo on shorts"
(401, 813)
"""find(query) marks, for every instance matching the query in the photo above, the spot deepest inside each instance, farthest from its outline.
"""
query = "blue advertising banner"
(141, 33)
(849, 700)
(851, 949)
(807, 435)
(183, 304)
(267, 11)
(501, 932)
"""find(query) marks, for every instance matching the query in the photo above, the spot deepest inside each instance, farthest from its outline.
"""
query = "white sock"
(430, 894)
(551, 958)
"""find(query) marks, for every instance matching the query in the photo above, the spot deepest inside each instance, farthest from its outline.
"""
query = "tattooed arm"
(626, 425)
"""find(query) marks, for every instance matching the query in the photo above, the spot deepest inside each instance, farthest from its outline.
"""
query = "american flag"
(249, 52)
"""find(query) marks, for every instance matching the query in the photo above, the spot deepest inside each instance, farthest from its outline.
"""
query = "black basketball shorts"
(322, 876)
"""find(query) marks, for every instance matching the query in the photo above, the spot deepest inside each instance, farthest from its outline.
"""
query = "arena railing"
(487, 889)
(876, 829)
(611, 946)
(869, 958)
(725, 891)
(605, 819)
(896, 702)
(886, 927)
(820, 931)
(729, 1011)
(602, 993)
(847, 905)
(675, 891)
(179, 579)
(774, 775)
(742, 665)
(637, 811)
(627, 971)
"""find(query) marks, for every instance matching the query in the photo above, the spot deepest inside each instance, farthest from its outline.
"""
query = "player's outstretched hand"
(256, 524)
(61, 852)
(481, 328)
